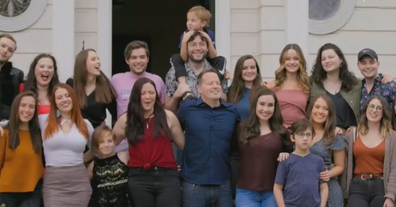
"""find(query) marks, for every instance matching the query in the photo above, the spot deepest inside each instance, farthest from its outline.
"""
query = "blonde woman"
(369, 179)
(291, 84)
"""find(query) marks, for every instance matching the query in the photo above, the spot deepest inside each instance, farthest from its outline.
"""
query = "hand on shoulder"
(270, 84)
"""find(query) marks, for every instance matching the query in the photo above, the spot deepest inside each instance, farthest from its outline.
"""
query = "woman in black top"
(93, 89)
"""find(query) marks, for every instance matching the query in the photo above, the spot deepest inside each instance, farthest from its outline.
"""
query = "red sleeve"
(21, 87)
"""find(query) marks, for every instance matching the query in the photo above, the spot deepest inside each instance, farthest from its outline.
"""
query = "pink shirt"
(292, 104)
(122, 84)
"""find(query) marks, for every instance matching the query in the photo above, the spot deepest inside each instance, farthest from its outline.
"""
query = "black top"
(96, 112)
(10, 78)
(110, 183)
(344, 113)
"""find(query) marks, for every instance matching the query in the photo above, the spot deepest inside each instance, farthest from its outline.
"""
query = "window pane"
(323, 9)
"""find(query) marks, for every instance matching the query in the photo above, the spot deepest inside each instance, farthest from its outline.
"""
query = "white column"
(63, 37)
(297, 23)
(105, 10)
(223, 29)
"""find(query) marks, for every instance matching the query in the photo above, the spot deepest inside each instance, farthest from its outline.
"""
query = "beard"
(191, 58)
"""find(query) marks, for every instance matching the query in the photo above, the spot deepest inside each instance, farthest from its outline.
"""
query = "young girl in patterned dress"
(108, 172)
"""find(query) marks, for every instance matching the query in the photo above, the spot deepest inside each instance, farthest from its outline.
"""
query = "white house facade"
(257, 27)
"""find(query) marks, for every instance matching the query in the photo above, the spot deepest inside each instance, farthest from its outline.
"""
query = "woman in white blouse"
(65, 134)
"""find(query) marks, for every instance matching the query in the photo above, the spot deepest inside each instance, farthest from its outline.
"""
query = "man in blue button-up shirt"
(209, 125)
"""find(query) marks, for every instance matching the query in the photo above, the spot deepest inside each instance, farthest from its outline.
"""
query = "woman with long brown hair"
(369, 178)
(150, 130)
(65, 134)
(93, 89)
(20, 155)
(326, 144)
(41, 79)
(263, 142)
(291, 80)
(246, 78)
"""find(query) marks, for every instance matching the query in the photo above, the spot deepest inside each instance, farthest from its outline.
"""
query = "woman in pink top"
(291, 84)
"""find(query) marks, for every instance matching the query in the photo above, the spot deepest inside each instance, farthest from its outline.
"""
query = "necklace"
(147, 123)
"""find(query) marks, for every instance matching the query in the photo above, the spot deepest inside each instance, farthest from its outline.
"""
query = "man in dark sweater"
(10, 77)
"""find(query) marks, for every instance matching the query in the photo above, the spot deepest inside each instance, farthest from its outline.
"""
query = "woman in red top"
(150, 129)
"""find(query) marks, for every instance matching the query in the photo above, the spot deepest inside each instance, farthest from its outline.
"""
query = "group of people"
(323, 140)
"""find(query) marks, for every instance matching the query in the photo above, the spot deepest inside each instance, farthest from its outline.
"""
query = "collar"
(223, 104)
(376, 80)
(7, 67)
(189, 68)
(63, 120)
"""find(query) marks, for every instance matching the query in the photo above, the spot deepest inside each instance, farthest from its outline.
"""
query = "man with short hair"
(197, 49)
(209, 124)
(368, 65)
(10, 77)
(137, 57)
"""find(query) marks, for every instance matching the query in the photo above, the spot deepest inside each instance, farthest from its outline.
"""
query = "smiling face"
(193, 22)
(93, 64)
(374, 111)
(138, 61)
(249, 70)
(148, 97)
(330, 60)
(265, 107)
(27, 108)
(106, 144)
(320, 111)
(292, 61)
(63, 100)
(368, 67)
(210, 88)
(197, 49)
(44, 71)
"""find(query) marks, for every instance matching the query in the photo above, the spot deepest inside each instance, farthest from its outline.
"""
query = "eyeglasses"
(308, 135)
(372, 107)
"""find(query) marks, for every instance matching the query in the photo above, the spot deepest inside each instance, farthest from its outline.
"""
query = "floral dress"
(336, 198)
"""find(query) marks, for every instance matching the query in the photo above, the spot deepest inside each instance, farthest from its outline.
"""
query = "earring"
(57, 113)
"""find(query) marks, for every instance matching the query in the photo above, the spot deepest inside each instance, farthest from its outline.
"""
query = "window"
(327, 16)
(11, 11)
(211, 6)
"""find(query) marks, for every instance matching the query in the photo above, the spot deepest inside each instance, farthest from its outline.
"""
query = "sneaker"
(188, 95)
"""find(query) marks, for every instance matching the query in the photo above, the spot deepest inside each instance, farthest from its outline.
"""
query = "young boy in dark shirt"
(297, 180)
(197, 19)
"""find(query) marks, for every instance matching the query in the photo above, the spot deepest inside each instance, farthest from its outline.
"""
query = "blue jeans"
(206, 196)
(252, 198)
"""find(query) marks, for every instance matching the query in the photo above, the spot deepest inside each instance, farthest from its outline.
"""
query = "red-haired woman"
(65, 134)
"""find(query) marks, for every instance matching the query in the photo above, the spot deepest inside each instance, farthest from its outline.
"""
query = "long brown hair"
(252, 127)
(394, 115)
(104, 92)
(15, 121)
(53, 122)
(386, 120)
(302, 77)
(331, 122)
(237, 86)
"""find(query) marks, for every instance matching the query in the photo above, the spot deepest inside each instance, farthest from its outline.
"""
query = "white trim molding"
(297, 18)
(334, 23)
(105, 33)
(223, 29)
(20, 22)
(63, 37)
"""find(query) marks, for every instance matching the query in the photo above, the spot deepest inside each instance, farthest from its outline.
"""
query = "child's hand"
(205, 35)
(187, 35)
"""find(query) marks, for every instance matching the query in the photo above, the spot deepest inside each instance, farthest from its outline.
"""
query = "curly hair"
(302, 76)
(348, 79)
